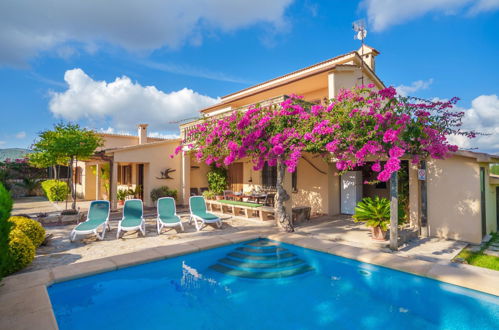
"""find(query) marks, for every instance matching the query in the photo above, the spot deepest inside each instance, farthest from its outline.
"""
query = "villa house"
(460, 193)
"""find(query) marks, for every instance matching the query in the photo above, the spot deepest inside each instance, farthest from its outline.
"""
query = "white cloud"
(414, 87)
(385, 13)
(123, 103)
(163, 136)
(2, 143)
(483, 117)
(28, 27)
(21, 135)
(193, 72)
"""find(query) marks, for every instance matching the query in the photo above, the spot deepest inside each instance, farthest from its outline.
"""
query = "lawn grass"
(479, 258)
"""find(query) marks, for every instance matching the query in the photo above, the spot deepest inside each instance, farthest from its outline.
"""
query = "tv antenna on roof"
(359, 26)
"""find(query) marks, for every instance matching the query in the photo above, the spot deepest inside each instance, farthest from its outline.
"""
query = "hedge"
(5, 208)
(55, 190)
(21, 252)
(163, 191)
(32, 228)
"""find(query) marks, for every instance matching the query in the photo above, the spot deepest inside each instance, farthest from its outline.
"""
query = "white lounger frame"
(141, 226)
(104, 225)
(195, 218)
(160, 224)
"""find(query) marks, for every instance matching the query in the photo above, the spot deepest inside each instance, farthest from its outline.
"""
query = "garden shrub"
(218, 180)
(32, 228)
(5, 208)
(163, 191)
(21, 251)
(55, 190)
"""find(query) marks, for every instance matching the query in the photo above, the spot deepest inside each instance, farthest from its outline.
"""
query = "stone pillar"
(97, 182)
(333, 190)
(413, 196)
(331, 85)
(186, 177)
(113, 189)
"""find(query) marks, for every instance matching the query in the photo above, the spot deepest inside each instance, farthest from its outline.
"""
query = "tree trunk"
(73, 183)
(394, 221)
(282, 217)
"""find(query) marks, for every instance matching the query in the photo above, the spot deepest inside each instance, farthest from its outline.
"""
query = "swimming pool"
(263, 284)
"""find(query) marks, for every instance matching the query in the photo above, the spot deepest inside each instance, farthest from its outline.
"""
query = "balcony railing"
(188, 127)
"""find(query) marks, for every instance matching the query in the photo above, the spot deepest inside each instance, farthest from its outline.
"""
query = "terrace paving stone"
(81, 269)
(491, 252)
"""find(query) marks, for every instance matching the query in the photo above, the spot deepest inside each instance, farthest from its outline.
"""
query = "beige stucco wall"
(199, 173)
(345, 79)
(454, 199)
(312, 185)
(156, 159)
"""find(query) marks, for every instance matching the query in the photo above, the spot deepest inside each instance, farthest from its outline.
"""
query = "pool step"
(261, 259)
(261, 275)
(261, 265)
(260, 250)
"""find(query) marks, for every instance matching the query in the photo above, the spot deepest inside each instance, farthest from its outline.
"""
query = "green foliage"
(163, 191)
(20, 253)
(55, 190)
(494, 169)
(32, 228)
(121, 194)
(105, 174)
(62, 144)
(217, 180)
(208, 194)
(403, 192)
(481, 259)
(5, 226)
(374, 212)
(30, 185)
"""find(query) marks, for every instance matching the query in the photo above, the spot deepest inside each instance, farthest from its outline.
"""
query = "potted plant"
(208, 194)
(121, 195)
(376, 214)
(218, 181)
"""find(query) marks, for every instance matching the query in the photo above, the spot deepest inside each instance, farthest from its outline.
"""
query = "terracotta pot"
(120, 202)
(378, 234)
(219, 197)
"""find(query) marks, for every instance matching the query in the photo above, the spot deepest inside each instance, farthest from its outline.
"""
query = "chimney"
(142, 133)
(368, 54)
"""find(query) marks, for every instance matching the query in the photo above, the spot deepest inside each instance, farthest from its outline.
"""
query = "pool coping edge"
(31, 313)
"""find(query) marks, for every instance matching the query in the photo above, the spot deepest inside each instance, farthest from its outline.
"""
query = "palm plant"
(374, 212)
(29, 184)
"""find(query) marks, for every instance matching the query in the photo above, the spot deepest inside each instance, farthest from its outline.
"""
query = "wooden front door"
(236, 177)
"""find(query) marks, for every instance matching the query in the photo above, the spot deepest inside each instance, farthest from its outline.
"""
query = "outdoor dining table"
(253, 197)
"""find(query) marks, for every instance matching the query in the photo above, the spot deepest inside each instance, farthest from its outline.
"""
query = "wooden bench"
(235, 208)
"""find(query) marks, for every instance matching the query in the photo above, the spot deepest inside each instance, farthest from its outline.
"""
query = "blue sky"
(111, 64)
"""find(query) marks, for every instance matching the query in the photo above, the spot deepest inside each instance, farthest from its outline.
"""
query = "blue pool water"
(267, 285)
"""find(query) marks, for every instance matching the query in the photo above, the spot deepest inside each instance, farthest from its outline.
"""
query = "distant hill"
(13, 153)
